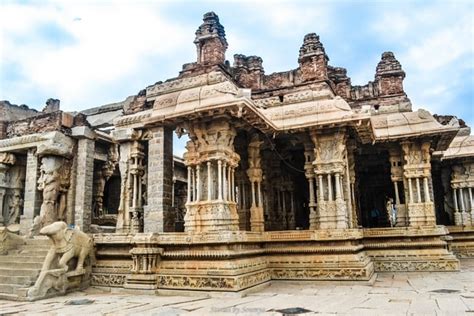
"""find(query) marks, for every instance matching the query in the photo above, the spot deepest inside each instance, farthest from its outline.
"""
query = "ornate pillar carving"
(331, 163)
(417, 165)
(211, 144)
(462, 181)
(396, 175)
(255, 175)
(123, 214)
(145, 262)
(15, 194)
(350, 185)
(311, 176)
(32, 201)
(102, 175)
(137, 172)
(53, 182)
(6, 161)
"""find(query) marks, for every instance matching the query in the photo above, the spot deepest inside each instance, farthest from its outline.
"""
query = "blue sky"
(89, 53)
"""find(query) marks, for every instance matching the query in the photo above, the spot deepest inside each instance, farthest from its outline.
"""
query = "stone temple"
(296, 175)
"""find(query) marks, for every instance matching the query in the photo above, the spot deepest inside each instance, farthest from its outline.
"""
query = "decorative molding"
(112, 280)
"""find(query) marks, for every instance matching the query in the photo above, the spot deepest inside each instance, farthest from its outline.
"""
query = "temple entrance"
(285, 185)
(440, 191)
(374, 186)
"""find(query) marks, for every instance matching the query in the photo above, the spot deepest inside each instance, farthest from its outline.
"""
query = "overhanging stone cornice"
(57, 143)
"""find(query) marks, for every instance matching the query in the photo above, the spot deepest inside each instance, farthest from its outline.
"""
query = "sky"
(89, 53)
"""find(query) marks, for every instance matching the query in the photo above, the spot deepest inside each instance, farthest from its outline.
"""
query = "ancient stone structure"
(55, 277)
(296, 175)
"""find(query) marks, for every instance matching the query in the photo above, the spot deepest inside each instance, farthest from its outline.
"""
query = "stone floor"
(449, 293)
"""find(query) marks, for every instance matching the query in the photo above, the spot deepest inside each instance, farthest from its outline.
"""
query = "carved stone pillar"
(471, 205)
(462, 180)
(211, 145)
(123, 214)
(6, 161)
(350, 184)
(330, 165)
(255, 175)
(396, 175)
(32, 203)
(54, 184)
(84, 177)
(102, 175)
(15, 194)
(457, 214)
(137, 172)
(310, 175)
(417, 166)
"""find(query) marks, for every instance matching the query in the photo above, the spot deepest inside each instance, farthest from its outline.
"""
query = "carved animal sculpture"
(67, 243)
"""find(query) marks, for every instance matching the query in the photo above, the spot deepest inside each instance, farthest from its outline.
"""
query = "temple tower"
(210, 41)
(313, 59)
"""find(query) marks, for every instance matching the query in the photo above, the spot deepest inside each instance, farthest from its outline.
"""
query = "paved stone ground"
(449, 293)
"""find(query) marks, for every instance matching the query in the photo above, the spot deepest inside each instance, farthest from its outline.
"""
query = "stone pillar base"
(141, 282)
(211, 216)
(421, 214)
(402, 217)
(256, 219)
(332, 215)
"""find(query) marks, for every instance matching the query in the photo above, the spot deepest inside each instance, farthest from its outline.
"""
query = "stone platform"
(235, 261)
(462, 243)
(411, 293)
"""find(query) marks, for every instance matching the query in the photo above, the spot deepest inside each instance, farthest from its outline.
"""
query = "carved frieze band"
(112, 280)
(426, 265)
(213, 283)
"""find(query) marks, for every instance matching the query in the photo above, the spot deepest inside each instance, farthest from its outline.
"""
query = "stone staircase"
(20, 268)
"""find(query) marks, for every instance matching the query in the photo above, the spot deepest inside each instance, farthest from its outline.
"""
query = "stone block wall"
(158, 213)
(84, 182)
(32, 200)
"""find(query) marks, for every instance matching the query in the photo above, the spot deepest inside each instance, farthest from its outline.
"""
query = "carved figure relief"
(101, 178)
(67, 244)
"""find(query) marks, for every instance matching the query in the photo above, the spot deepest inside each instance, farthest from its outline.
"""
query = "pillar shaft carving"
(53, 182)
(211, 161)
(132, 170)
(7, 160)
(255, 175)
(398, 180)
(102, 176)
(330, 167)
(312, 183)
(417, 173)
(462, 184)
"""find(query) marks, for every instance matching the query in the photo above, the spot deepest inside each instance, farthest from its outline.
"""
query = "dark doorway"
(374, 186)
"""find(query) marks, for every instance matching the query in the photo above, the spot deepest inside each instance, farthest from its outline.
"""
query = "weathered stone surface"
(56, 272)
(294, 175)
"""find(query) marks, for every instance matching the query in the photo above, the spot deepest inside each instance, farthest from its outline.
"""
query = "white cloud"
(117, 48)
(110, 43)
(435, 45)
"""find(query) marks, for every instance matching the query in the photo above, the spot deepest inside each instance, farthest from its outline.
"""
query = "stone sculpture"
(66, 244)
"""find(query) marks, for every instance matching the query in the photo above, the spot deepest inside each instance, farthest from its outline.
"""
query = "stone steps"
(20, 268)
(9, 297)
(8, 288)
(19, 280)
(23, 271)
(21, 258)
(34, 252)
(21, 265)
